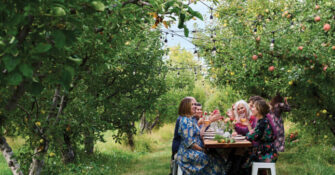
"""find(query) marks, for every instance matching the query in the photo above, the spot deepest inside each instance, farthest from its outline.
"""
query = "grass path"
(155, 163)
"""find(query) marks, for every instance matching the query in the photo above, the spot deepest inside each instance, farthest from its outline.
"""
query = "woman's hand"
(215, 117)
(226, 120)
(245, 122)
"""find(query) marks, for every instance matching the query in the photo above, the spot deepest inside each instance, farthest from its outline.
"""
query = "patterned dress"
(279, 124)
(192, 161)
(265, 136)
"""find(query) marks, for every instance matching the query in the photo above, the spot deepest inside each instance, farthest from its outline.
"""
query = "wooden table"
(238, 144)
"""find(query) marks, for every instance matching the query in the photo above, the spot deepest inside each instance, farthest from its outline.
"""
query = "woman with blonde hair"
(192, 157)
(243, 117)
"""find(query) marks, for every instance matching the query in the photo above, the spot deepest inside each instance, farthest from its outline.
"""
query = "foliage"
(247, 61)
(70, 70)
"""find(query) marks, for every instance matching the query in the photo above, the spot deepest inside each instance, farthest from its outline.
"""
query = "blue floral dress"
(192, 161)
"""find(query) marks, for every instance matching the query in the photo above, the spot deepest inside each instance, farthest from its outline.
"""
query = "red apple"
(300, 47)
(325, 67)
(260, 55)
(333, 47)
(326, 27)
(317, 7)
(254, 57)
(317, 19)
(271, 68)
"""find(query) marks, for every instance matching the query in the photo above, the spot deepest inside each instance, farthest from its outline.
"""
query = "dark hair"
(262, 107)
(198, 104)
(255, 98)
(276, 99)
(185, 106)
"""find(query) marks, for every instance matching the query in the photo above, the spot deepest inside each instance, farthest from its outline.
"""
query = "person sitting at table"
(192, 157)
(278, 106)
(176, 138)
(264, 133)
(243, 117)
(252, 100)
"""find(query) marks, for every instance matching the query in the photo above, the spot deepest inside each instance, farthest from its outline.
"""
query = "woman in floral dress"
(278, 106)
(264, 134)
(191, 156)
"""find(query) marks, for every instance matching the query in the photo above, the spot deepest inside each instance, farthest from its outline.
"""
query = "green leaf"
(168, 5)
(186, 31)
(75, 59)
(59, 39)
(42, 47)
(67, 76)
(10, 62)
(181, 21)
(14, 79)
(35, 88)
(26, 70)
(195, 13)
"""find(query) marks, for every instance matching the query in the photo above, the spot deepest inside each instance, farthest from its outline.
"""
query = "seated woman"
(243, 117)
(191, 156)
(263, 133)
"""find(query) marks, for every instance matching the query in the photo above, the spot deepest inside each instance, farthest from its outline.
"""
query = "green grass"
(151, 156)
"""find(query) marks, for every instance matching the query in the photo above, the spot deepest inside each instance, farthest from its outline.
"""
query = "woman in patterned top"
(264, 134)
(191, 156)
(278, 106)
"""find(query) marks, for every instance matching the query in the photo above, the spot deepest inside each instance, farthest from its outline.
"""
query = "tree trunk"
(68, 153)
(89, 143)
(8, 155)
(38, 161)
(143, 123)
(130, 138)
(154, 123)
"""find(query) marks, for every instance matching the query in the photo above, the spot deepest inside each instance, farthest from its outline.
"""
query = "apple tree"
(286, 47)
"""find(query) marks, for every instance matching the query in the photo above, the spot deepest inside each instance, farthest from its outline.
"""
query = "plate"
(208, 137)
(239, 137)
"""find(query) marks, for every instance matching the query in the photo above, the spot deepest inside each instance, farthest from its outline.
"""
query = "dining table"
(240, 141)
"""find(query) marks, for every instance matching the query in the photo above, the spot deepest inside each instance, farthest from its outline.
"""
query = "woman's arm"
(240, 129)
(258, 131)
(197, 147)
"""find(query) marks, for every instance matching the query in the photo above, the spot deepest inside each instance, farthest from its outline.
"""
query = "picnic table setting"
(219, 135)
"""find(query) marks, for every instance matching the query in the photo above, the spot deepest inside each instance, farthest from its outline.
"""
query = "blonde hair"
(245, 104)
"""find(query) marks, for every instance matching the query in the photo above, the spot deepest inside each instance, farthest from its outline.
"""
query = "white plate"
(239, 138)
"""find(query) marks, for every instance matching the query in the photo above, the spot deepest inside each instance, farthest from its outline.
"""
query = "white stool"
(176, 170)
(257, 165)
(180, 172)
